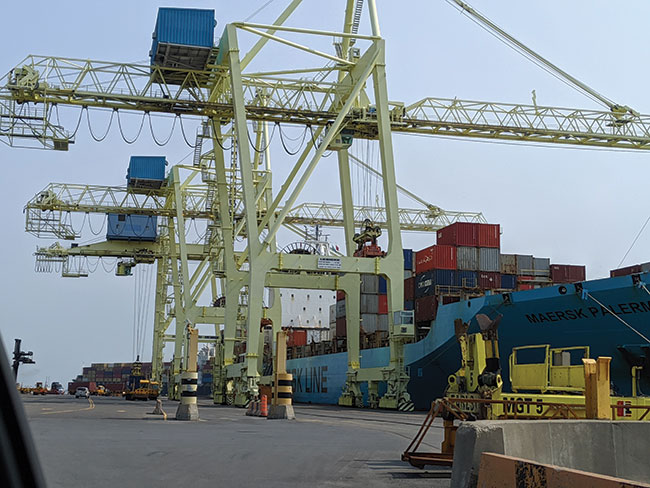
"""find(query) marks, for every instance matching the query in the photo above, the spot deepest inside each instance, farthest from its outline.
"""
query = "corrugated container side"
(435, 257)
(151, 168)
(369, 283)
(409, 304)
(340, 309)
(524, 264)
(340, 295)
(383, 285)
(425, 283)
(567, 273)
(466, 279)
(459, 234)
(509, 281)
(369, 322)
(369, 303)
(408, 274)
(628, 270)
(382, 306)
(489, 280)
(341, 327)
(467, 258)
(382, 322)
(488, 259)
(408, 259)
(509, 264)
(525, 286)
(447, 300)
(542, 266)
(489, 235)
(409, 289)
(183, 26)
(333, 313)
(426, 308)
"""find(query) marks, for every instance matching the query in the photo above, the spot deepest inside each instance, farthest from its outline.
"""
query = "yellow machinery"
(140, 388)
(551, 389)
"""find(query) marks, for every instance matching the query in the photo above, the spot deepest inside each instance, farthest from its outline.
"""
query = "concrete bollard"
(188, 409)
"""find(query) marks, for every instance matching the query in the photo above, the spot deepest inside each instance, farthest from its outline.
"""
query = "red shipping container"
(489, 235)
(458, 234)
(567, 273)
(297, 338)
(340, 295)
(341, 327)
(435, 257)
(409, 289)
(626, 271)
(446, 300)
(525, 286)
(489, 281)
(426, 308)
(383, 304)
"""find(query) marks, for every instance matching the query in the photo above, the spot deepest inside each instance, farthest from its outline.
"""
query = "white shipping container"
(333, 313)
(340, 309)
(370, 284)
(369, 322)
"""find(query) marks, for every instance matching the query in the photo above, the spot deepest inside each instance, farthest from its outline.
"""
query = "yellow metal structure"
(344, 98)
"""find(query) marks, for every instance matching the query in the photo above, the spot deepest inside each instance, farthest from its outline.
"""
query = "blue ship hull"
(561, 315)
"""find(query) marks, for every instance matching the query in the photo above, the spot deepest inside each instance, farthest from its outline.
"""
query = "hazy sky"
(572, 205)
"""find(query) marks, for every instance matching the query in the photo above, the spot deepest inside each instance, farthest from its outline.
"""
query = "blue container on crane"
(146, 172)
(183, 38)
(126, 227)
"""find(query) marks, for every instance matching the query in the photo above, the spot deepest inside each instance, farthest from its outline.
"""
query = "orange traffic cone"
(264, 407)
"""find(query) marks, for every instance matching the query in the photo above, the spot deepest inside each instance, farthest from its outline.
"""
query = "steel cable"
(304, 134)
(171, 132)
(137, 136)
(619, 318)
(90, 129)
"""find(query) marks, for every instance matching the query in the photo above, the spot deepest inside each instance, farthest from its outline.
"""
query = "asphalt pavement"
(108, 442)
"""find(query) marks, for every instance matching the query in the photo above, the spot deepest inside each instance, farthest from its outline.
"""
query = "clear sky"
(572, 205)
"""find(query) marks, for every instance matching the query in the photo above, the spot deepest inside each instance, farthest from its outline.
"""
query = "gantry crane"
(335, 106)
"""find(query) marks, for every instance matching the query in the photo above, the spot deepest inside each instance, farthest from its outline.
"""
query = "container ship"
(465, 276)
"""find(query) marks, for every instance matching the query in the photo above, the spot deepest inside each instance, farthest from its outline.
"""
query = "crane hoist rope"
(539, 60)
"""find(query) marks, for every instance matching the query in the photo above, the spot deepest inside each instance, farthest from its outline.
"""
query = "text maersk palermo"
(589, 312)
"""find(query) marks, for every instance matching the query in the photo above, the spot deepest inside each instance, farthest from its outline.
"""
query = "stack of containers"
(529, 272)
(374, 301)
(434, 266)
(477, 253)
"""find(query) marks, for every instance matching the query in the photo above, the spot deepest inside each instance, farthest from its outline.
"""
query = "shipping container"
(297, 338)
(340, 295)
(382, 323)
(409, 289)
(489, 235)
(525, 286)
(628, 270)
(408, 259)
(124, 227)
(340, 309)
(466, 279)
(425, 283)
(383, 285)
(508, 264)
(146, 172)
(435, 257)
(426, 308)
(333, 313)
(341, 327)
(409, 304)
(567, 273)
(383, 304)
(408, 274)
(509, 281)
(488, 259)
(489, 280)
(369, 322)
(369, 284)
(467, 258)
(458, 234)
(524, 264)
(542, 267)
(182, 38)
(369, 303)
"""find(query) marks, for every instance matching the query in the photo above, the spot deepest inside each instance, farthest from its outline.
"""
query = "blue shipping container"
(122, 227)
(509, 282)
(146, 171)
(409, 305)
(425, 283)
(383, 286)
(468, 279)
(182, 27)
(408, 259)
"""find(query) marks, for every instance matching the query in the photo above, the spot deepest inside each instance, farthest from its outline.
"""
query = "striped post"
(188, 409)
(284, 390)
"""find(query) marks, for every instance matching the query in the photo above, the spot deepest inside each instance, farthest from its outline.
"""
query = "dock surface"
(108, 442)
